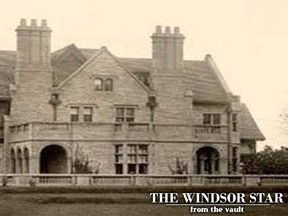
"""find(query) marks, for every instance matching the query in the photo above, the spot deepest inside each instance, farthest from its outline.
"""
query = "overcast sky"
(248, 39)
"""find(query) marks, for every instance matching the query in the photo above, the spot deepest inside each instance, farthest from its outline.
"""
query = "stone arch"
(19, 157)
(53, 159)
(26, 160)
(207, 160)
(13, 161)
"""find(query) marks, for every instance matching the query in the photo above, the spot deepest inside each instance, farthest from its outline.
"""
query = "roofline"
(213, 66)
(254, 139)
(257, 138)
(95, 56)
(84, 65)
(195, 101)
(71, 47)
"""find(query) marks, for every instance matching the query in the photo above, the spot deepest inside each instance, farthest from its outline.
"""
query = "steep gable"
(249, 129)
(65, 61)
(106, 65)
(7, 70)
(204, 82)
(79, 88)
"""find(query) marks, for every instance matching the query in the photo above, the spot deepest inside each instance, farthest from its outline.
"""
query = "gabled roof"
(94, 58)
(7, 58)
(65, 61)
(7, 69)
(248, 127)
(60, 54)
(205, 82)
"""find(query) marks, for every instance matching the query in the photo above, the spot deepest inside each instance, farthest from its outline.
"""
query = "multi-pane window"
(133, 159)
(211, 119)
(137, 159)
(81, 113)
(125, 114)
(98, 84)
(119, 159)
(74, 114)
(87, 114)
(234, 122)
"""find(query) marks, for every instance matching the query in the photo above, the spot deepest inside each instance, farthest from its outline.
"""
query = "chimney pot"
(44, 23)
(158, 29)
(23, 22)
(177, 30)
(33, 23)
(167, 30)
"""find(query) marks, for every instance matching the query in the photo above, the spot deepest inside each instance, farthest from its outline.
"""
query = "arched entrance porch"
(53, 159)
(207, 160)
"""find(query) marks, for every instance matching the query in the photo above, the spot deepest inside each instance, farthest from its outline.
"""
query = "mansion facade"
(85, 110)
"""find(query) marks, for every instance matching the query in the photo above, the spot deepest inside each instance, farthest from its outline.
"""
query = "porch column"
(34, 164)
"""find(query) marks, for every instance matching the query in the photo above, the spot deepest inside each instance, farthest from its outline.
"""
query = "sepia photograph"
(143, 108)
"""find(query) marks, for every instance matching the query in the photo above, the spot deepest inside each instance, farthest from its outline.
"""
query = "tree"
(81, 163)
(268, 161)
(180, 167)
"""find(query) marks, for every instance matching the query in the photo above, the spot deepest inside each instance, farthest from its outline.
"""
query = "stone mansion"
(87, 108)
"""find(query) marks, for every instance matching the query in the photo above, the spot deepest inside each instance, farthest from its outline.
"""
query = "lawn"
(92, 204)
(49, 201)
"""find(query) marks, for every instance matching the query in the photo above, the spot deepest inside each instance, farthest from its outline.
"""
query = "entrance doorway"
(207, 161)
(53, 159)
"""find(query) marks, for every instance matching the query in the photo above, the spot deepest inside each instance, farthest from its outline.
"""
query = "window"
(134, 158)
(211, 119)
(234, 159)
(216, 164)
(125, 114)
(119, 159)
(234, 122)
(120, 114)
(74, 114)
(108, 85)
(207, 119)
(88, 114)
(137, 159)
(103, 84)
(98, 84)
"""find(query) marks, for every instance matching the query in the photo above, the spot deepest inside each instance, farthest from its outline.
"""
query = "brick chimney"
(33, 45)
(167, 50)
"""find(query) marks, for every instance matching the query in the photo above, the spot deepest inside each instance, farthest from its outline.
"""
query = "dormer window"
(108, 84)
(98, 84)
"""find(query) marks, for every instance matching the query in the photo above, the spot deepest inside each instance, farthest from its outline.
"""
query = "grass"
(11, 206)
(117, 201)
